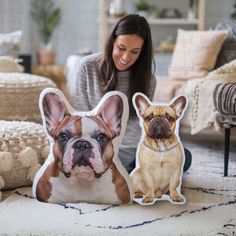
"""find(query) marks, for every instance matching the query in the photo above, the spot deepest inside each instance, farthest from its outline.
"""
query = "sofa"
(200, 61)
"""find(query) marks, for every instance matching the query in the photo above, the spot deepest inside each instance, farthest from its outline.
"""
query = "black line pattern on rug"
(165, 218)
(88, 212)
(24, 195)
(70, 207)
(231, 202)
(230, 227)
(212, 191)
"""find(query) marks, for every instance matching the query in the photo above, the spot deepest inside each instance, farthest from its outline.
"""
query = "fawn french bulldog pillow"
(83, 165)
(160, 155)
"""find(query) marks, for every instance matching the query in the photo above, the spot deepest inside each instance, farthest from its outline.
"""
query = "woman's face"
(126, 50)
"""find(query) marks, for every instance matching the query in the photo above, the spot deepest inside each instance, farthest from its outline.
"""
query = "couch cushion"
(195, 53)
(23, 148)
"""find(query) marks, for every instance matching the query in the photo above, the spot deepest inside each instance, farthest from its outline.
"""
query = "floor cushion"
(19, 95)
(23, 148)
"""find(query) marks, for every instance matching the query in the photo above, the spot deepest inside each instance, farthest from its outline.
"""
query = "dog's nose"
(83, 146)
(158, 131)
(159, 128)
(83, 152)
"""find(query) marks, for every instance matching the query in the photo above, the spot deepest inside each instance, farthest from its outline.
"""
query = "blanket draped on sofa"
(200, 93)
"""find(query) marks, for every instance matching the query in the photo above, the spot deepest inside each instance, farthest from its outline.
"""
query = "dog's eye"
(148, 118)
(62, 138)
(170, 118)
(102, 138)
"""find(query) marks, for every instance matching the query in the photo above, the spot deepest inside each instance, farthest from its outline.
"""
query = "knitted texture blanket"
(200, 93)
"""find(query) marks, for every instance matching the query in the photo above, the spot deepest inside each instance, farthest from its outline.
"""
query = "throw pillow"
(23, 148)
(195, 53)
(10, 64)
(83, 165)
(160, 154)
(10, 43)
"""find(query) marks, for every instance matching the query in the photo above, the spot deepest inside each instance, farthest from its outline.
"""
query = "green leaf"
(142, 6)
(44, 13)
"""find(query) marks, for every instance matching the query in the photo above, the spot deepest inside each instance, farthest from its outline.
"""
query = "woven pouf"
(19, 96)
(23, 148)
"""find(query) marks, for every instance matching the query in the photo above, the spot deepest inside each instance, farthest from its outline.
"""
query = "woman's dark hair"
(141, 70)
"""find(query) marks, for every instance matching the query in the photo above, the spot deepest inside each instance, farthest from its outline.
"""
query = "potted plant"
(48, 17)
(142, 8)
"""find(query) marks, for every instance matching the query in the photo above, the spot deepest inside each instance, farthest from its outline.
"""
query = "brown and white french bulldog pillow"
(83, 165)
(160, 155)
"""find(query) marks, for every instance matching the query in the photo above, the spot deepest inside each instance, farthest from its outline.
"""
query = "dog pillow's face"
(159, 121)
(84, 146)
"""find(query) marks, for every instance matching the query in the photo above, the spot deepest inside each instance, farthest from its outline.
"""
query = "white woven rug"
(210, 207)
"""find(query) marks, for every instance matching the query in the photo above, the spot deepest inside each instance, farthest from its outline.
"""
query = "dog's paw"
(138, 194)
(176, 198)
(158, 194)
(147, 199)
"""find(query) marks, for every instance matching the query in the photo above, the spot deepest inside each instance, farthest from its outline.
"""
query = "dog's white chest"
(100, 190)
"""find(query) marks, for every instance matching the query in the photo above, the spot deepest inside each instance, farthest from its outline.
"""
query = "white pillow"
(195, 53)
(10, 43)
(10, 64)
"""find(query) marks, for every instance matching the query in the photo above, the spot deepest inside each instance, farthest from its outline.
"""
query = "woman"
(126, 65)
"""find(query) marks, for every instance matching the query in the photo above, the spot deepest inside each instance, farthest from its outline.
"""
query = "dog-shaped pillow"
(83, 165)
(160, 155)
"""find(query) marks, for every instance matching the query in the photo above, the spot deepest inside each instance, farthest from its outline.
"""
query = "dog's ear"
(111, 112)
(54, 110)
(178, 105)
(141, 103)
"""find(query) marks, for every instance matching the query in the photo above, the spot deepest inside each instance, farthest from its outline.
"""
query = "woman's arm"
(81, 93)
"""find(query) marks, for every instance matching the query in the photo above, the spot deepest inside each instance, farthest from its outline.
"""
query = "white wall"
(79, 26)
(78, 29)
